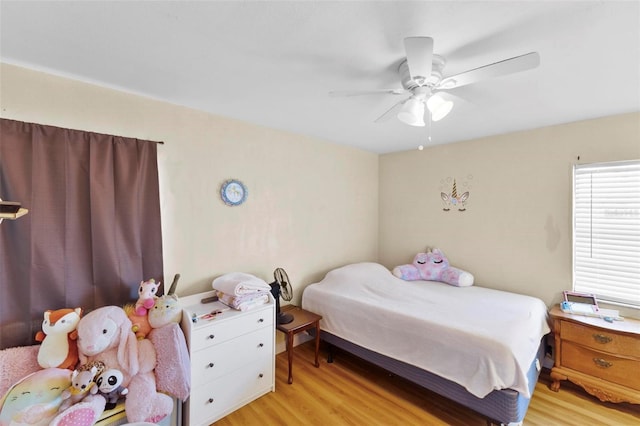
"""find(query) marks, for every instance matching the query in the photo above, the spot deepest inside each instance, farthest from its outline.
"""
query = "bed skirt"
(500, 406)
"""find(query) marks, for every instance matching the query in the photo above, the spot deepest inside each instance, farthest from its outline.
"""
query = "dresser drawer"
(602, 340)
(210, 363)
(220, 331)
(210, 401)
(623, 371)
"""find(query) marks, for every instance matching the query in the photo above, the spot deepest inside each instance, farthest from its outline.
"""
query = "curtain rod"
(77, 130)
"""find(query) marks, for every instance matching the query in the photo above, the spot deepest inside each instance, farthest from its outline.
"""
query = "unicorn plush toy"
(146, 296)
(433, 266)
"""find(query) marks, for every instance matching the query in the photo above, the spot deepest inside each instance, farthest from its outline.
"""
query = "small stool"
(302, 320)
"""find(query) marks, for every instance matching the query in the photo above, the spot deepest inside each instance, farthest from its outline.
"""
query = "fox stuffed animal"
(58, 337)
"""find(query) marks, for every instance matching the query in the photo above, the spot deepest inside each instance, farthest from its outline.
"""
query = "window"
(606, 231)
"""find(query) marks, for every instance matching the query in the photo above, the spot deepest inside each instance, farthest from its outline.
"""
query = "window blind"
(606, 231)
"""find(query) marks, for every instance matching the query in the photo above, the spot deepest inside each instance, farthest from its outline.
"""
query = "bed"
(478, 346)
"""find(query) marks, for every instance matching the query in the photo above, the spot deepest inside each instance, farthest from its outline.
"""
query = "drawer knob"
(211, 336)
(602, 363)
(261, 320)
(210, 400)
(210, 365)
(601, 338)
(260, 345)
(261, 375)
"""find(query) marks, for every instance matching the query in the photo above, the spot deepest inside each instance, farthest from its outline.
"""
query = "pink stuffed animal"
(433, 266)
(146, 296)
(105, 335)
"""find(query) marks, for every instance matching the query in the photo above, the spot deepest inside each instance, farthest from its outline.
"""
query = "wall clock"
(233, 192)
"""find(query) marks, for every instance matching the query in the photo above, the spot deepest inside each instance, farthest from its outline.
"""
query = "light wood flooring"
(352, 392)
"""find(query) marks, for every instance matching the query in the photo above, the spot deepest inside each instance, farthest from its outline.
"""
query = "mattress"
(479, 338)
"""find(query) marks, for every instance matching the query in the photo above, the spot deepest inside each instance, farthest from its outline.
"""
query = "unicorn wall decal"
(454, 200)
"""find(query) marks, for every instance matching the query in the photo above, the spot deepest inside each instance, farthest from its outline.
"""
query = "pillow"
(35, 399)
(173, 367)
(433, 266)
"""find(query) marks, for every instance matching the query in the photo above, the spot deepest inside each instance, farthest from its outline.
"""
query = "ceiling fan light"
(412, 112)
(439, 107)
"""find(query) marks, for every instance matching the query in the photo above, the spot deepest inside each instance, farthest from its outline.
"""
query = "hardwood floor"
(353, 392)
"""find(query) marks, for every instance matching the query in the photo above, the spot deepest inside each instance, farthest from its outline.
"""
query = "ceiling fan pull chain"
(421, 147)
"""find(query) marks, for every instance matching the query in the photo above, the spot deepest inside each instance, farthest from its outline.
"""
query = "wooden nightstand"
(601, 357)
(302, 320)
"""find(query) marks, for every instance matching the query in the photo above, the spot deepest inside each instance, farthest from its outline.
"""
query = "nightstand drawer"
(210, 363)
(219, 331)
(601, 340)
(623, 371)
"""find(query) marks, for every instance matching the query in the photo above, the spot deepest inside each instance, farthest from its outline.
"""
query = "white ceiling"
(273, 63)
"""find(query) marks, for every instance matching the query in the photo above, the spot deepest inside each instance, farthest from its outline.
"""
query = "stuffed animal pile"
(110, 358)
(105, 335)
(433, 266)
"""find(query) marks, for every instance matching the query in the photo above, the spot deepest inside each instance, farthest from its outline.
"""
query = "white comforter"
(480, 338)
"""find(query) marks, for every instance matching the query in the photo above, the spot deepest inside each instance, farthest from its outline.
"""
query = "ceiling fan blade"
(419, 52)
(508, 66)
(347, 93)
(391, 111)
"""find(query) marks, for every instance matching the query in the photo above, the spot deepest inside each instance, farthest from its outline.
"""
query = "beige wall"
(516, 231)
(312, 205)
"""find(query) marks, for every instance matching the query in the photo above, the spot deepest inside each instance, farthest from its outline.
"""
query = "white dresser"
(232, 357)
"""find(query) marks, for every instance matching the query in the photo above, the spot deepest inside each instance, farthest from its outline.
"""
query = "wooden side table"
(302, 320)
(603, 358)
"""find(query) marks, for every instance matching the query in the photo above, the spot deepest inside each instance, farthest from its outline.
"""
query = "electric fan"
(281, 287)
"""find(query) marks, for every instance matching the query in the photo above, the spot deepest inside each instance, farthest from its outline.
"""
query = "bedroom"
(314, 206)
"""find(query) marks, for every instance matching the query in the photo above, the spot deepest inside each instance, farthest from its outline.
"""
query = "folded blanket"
(243, 303)
(239, 283)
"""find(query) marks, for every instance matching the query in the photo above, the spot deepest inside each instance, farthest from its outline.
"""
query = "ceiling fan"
(421, 77)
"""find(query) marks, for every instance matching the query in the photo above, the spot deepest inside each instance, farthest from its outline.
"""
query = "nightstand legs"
(317, 343)
(290, 335)
(557, 378)
(302, 321)
(290, 356)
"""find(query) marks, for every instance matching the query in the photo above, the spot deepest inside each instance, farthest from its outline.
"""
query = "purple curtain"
(93, 228)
